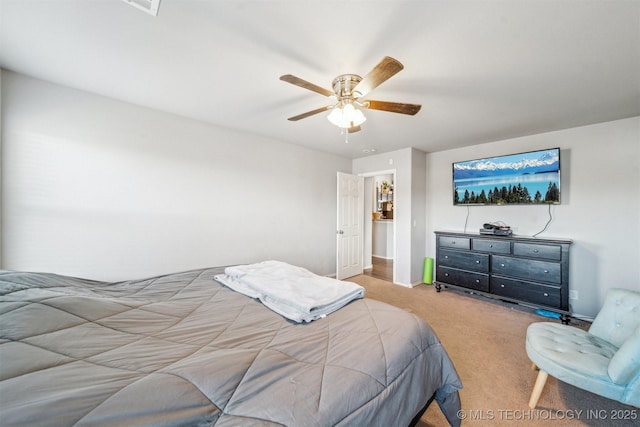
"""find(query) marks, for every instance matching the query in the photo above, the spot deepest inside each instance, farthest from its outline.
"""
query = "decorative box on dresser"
(526, 270)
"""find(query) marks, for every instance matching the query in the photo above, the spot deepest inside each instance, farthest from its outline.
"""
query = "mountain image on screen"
(532, 177)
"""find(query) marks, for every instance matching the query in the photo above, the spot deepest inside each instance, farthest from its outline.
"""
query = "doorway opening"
(380, 269)
(379, 246)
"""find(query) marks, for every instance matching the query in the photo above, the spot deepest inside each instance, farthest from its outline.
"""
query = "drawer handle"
(477, 262)
(546, 271)
(502, 286)
(490, 246)
(453, 242)
(501, 265)
(446, 257)
(477, 280)
(446, 274)
(545, 294)
(535, 251)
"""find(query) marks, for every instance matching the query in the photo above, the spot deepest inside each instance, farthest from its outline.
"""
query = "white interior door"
(349, 237)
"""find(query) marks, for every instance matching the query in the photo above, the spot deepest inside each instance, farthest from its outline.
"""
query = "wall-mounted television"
(523, 178)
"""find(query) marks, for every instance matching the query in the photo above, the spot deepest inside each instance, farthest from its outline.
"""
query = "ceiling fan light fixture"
(348, 89)
(345, 115)
(358, 118)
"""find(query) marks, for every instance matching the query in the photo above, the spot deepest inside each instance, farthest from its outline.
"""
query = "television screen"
(524, 178)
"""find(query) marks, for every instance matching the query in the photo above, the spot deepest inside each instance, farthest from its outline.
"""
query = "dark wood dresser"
(525, 270)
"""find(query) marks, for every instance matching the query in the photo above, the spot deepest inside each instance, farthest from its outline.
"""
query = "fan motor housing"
(344, 84)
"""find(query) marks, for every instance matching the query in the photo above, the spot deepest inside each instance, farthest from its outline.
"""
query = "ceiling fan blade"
(385, 69)
(394, 107)
(309, 113)
(354, 129)
(305, 84)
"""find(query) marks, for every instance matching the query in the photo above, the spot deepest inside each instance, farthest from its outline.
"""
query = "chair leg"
(537, 388)
(534, 367)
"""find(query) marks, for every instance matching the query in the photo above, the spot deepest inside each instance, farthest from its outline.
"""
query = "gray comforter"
(182, 349)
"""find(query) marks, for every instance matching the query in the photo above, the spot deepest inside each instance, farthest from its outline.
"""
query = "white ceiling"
(482, 70)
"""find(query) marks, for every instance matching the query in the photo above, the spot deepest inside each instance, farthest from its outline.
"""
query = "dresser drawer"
(535, 250)
(455, 242)
(543, 271)
(467, 279)
(464, 260)
(536, 293)
(493, 246)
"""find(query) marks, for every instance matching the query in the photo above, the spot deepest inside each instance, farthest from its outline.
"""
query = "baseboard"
(404, 285)
(421, 283)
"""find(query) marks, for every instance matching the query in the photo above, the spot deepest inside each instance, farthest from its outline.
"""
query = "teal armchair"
(604, 360)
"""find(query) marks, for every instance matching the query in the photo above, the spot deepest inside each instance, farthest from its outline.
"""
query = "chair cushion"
(625, 364)
(568, 348)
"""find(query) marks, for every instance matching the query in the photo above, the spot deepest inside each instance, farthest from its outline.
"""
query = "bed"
(183, 349)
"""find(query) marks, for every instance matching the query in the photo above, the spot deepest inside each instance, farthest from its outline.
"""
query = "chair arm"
(631, 394)
(625, 363)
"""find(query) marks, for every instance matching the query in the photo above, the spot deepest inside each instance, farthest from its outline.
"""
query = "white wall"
(98, 188)
(599, 210)
(418, 214)
(1, 170)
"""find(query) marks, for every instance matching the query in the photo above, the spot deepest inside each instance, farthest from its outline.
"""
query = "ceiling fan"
(348, 91)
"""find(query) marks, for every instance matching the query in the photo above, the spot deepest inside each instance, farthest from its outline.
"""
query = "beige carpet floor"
(485, 339)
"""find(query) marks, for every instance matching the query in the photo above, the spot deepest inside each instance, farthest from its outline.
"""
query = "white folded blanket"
(293, 292)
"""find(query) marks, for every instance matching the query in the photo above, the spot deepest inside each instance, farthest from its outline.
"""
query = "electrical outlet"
(573, 294)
